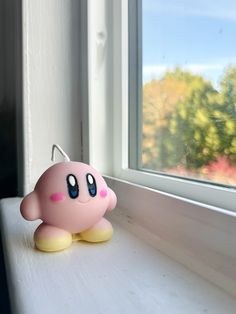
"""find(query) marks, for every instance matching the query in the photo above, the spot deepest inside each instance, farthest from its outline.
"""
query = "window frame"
(135, 92)
(210, 194)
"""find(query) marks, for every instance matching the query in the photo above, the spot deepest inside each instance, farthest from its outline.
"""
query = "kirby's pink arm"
(29, 207)
(112, 200)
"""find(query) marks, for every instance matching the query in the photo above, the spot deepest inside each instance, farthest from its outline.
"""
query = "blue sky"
(199, 36)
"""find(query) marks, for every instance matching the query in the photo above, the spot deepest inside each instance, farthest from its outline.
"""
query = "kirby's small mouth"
(83, 202)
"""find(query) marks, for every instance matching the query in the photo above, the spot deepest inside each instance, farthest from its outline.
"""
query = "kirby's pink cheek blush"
(71, 199)
(57, 197)
(103, 193)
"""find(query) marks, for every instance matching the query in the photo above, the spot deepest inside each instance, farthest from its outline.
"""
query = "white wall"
(51, 78)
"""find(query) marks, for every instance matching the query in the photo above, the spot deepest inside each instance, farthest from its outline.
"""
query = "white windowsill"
(125, 275)
(199, 236)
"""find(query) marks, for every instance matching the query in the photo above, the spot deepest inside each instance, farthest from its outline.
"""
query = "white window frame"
(207, 193)
(109, 150)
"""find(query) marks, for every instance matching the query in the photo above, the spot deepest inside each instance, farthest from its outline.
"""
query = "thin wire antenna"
(58, 147)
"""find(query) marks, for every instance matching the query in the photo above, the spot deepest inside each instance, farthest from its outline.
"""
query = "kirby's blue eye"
(72, 185)
(92, 188)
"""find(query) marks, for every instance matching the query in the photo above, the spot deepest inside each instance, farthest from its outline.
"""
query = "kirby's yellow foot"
(51, 239)
(100, 232)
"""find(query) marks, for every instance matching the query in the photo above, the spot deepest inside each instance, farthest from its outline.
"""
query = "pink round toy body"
(71, 199)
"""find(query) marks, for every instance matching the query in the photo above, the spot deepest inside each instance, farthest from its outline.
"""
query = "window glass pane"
(189, 88)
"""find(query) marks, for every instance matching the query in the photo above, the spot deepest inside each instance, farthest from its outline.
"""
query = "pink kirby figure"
(71, 199)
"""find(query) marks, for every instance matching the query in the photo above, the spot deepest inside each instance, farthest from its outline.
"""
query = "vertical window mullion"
(135, 84)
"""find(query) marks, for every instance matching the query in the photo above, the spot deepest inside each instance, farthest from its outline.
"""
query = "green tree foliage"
(227, 108)
(187, 122)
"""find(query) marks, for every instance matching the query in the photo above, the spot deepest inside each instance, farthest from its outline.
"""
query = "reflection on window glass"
(189, 88)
